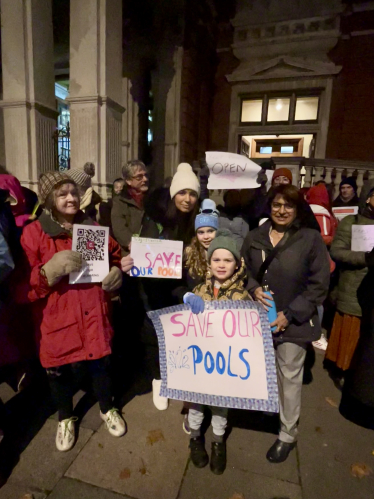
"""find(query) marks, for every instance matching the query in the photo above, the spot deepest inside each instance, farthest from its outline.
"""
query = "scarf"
(137, 196)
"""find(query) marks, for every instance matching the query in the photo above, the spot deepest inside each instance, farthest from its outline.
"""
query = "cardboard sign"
(93, 244)
(231, 171)
(159, 258)
(343, 211)
(362, 238)
(222, 357)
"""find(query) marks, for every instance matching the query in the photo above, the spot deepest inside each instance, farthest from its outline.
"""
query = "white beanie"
(184, 178)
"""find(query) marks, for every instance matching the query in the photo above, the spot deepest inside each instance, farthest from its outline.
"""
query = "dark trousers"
(64, 381)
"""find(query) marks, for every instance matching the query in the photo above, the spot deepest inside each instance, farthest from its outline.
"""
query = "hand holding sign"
(232, 171)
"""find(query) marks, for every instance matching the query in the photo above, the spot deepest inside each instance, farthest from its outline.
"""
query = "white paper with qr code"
(93, 244)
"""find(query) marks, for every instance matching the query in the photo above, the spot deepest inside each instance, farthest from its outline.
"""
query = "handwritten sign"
(223, 357)
(343, 211)
(362, 237)
(231, 171)
(156, 258)
(92, 242)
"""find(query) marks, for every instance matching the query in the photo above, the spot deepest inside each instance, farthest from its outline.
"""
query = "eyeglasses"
(277, 206)
(140, 176)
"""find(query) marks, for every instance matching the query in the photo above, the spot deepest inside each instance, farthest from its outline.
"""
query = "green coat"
(126, 218)
(351, 264)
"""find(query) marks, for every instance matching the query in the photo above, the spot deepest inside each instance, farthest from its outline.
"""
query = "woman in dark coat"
(169, 214)
(298, 278)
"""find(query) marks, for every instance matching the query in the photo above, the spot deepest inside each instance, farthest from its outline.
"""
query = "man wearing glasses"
(128, 210)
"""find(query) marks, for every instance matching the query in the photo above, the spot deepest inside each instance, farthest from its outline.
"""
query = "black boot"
(199, 456)
(218, 458)
(279, 451)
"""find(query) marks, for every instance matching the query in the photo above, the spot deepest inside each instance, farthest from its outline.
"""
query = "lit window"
(251, 111)
(266, 150)
(278, 109)
(306, 108)
(286, 149)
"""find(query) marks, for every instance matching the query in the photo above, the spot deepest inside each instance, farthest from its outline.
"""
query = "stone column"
(130, 124)
(96, 87)
(28, 104)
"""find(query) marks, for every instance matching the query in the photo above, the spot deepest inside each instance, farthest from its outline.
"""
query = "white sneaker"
(321, 344)
(114, 422)
(161, 403)
(185, 425)
(65, 437)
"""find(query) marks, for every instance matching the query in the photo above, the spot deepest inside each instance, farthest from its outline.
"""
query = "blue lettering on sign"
(135, 272)
(241, 357)
(197, 356)
(219, 363)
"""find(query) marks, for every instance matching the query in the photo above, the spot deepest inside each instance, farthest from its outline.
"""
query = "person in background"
(89, 199)
(353, 267)
(72, 320)
(281, 176)
(224, 280)
(347, 193)
(128, 207)
(169, 214)
(231, 216)
(105, 208)
(292, 260)
(16, 198)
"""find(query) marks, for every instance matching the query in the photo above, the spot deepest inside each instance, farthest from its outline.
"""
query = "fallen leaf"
(27, 496)
(359, 470)
(318, 429)
(125, 473)
(237, 496)
(372, 452)
(142, 469)
(331, 402)
(101, 446)
(155, 436)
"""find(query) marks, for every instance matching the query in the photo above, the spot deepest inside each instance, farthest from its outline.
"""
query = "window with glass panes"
(283, 109)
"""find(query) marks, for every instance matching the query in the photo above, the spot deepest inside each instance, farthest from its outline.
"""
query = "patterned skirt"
(343, 339)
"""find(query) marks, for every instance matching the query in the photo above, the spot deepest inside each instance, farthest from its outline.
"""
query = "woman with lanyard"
(292, 261)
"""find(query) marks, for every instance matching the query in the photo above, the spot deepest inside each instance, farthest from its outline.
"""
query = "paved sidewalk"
(151, 461)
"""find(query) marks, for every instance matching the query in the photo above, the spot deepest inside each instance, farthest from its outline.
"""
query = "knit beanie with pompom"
(184, 178)
(224, 240)
(82, 176)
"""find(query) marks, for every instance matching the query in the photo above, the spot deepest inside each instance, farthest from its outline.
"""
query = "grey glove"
(61, 264)
(113, 280)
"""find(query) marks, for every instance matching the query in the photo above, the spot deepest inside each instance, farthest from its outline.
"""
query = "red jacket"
(72, 321)
(318, 199)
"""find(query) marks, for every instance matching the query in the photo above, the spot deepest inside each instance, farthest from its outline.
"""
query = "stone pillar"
(130, 124)
(173, 117)
(96, 87)
(28, 104)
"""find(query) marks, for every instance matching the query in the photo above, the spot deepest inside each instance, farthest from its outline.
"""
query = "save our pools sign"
(222, 357)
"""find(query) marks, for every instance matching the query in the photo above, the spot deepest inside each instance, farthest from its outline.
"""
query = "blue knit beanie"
(208, 216)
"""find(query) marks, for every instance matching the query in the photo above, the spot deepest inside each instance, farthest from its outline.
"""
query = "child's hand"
(195, 302)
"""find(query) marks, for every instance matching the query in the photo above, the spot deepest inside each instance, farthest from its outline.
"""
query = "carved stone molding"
(283, 66)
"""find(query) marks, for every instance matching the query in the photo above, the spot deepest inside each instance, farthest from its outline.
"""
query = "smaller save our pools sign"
(159, 258)
(223, 357)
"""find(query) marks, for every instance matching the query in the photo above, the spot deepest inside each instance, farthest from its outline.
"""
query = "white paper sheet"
(362, 238)
(159, 258)
(231, 171)
(93, 244)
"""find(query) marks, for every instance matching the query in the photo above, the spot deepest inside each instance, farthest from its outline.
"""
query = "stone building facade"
(280, 79)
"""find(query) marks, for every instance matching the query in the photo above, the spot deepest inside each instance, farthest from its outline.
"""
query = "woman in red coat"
(73, 321)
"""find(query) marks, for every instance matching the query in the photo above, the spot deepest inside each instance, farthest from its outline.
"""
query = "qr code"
(91, 244)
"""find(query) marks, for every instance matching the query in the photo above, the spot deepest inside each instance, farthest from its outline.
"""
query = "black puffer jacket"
(299, 277)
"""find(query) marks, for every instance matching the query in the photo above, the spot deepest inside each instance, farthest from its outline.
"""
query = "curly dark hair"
(195, 259)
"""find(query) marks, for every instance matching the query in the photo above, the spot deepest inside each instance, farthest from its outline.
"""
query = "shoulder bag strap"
(287, 240)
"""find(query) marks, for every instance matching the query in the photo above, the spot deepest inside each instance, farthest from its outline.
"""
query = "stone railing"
(308, 171)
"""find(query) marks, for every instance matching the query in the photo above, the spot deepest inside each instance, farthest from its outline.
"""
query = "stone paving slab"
(73, 489)
(18, 490)
(328, 445)
(147, 463)
(203, 484)
(246, 451)
(41, 465)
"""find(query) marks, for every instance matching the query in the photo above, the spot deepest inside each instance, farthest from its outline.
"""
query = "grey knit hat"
(224, 240)
(82, 176)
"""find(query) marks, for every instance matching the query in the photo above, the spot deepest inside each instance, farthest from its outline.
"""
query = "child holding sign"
(224, 281)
